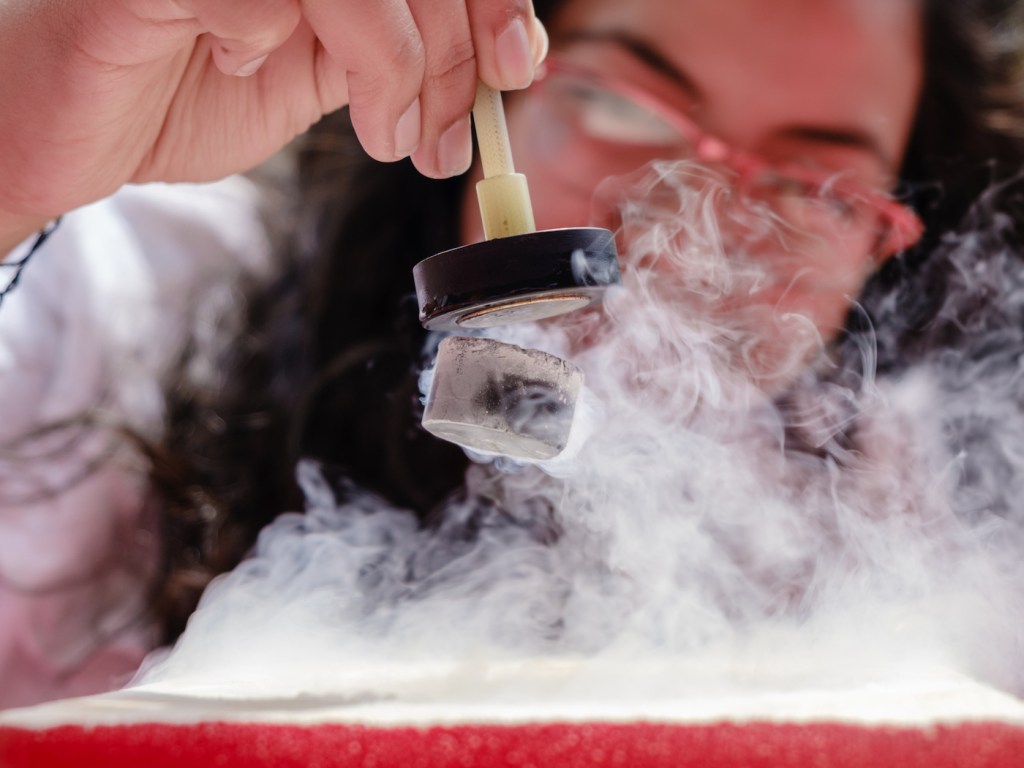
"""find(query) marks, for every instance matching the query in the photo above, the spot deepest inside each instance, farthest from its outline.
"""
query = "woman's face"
(828, 85)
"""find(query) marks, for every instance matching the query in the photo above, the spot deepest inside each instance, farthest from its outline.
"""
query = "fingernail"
(407, 131)
(251, 67)
(515, 60)
(541, 42)
(455, 149)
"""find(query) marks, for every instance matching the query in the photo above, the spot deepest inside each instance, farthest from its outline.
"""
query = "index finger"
(379, 46)
(510, 42)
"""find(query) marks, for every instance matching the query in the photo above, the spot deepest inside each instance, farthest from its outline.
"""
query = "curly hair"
(966, 147)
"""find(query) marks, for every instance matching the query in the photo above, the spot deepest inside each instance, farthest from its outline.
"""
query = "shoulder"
(174, 234)
(105, 304)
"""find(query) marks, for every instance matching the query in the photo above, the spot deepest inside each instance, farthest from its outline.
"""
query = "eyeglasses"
(632, 123)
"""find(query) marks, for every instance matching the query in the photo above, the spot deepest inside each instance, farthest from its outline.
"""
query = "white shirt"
(96, 321)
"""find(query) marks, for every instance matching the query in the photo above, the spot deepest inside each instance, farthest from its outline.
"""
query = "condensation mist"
(735, 510)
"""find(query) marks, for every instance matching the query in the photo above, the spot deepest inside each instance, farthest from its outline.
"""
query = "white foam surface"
(558, 690)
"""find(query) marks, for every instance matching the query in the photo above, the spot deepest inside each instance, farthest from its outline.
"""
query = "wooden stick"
(503, 194)
(492, 132)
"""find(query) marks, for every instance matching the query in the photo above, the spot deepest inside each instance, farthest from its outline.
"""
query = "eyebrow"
(640, 48)
(853, 138)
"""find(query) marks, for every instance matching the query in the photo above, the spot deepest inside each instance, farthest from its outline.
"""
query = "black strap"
(19, 265)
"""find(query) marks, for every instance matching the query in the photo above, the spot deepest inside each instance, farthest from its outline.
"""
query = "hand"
(97, 93)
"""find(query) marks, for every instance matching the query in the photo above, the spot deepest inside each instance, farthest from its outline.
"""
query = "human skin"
(98, 93)
(832, 84)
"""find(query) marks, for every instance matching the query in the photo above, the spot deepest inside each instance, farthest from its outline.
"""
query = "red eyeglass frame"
(902, 229)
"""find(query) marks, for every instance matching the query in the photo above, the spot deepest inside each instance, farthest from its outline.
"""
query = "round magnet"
(515, 279)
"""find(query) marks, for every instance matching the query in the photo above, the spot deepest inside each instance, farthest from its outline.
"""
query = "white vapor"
(726, 500)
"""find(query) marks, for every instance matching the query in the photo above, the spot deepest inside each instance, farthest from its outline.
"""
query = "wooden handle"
(492, 132)
(502, 194)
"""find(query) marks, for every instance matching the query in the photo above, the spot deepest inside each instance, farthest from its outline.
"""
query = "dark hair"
(328, 361)
(966, 150)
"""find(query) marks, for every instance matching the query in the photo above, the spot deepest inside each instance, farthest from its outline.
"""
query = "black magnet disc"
(516, 279)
